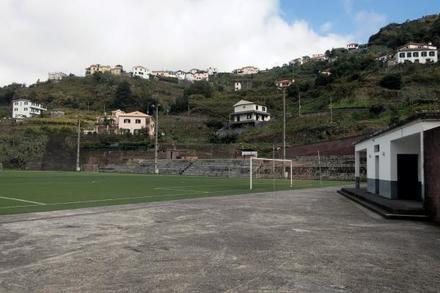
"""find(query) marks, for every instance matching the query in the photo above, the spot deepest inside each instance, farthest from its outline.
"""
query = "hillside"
(364, 94)
(423, 30)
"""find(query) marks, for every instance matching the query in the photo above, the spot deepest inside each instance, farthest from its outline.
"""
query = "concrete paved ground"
(300, 241)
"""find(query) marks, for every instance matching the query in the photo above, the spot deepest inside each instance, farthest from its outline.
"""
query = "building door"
(408, 177)
(376, 175)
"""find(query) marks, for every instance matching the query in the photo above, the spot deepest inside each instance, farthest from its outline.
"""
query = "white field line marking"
(23, 206)
(23, 200)
(121, 198)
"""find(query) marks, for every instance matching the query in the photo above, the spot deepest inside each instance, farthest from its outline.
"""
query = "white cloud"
(347, 5)
(68, 35)
(326, 27)
(368, 23)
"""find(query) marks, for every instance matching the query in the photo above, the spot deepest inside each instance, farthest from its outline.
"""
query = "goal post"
(254, 161)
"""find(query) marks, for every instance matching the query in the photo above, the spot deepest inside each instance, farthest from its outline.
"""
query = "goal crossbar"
(290, 162)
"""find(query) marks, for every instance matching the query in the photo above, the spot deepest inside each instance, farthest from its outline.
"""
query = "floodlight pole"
(250, 173)
(284, 123)
(156, 140)
(78, 144)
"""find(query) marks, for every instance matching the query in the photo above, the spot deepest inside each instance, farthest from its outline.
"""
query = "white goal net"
(270, 171)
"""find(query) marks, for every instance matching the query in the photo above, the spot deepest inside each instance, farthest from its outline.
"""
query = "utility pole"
(284, 123)
(78, 143)
(156, 139)
(283, 85)
(331, 109)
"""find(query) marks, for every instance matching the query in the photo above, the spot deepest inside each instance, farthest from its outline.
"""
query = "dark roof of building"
(422, 116)
(250, 112)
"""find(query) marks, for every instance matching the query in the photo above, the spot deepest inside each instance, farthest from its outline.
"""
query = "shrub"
(391, 81)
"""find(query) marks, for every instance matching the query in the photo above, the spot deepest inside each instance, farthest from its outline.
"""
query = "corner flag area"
(31, 191)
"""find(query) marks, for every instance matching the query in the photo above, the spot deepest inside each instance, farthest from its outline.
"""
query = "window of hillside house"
(424, 54)
(408, 54)
(25, 109)
(416, 54)
(264, 108)
(257, 107)
(417, 61)
(248, 116)
(432, 53)
(402, 55)
(25, 103)
(377, 148)
(15, 109)
(127, 121)
(16, 103)
(138, 121)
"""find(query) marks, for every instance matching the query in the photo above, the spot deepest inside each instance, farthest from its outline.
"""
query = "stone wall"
(432, 173)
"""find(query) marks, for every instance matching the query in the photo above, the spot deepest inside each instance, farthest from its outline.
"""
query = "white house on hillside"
(246, 112)
(247, 70)
(56, 76)
(352, 46)
(24, 108)
(180, 74)
(141, 72)
(201, 75)
(417, 53)
(237, 86)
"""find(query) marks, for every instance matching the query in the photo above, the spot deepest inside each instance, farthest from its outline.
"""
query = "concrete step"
(381, 210)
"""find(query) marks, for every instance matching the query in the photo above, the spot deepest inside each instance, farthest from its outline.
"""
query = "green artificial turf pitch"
(29, 191)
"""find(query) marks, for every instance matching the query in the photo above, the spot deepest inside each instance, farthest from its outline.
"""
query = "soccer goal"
(275, 169)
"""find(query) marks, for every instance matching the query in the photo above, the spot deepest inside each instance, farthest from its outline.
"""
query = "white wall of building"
(406, 139)
(422, 56)
(23, 108)
(141, 72)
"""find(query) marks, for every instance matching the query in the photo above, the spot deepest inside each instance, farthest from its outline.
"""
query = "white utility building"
(396, 158)
(24, 108)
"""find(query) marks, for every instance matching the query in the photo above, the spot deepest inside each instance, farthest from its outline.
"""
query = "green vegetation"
(23, 192)
(363, 92)
(426, 29)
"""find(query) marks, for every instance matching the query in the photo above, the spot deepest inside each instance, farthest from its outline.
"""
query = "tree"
(391, 81)
(199, 88)
(123, 96)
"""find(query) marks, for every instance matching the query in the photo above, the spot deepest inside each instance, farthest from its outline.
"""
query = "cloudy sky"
(41, 36)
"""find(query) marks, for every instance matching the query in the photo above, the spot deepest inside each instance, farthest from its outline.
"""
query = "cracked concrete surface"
(292, 241)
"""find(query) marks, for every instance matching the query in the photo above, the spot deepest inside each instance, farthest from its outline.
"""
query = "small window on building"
(127, 121)
(432, 53)
(376, 148)
(138, 121)
(26, 103)
(264, 108)
(249, 116)
(25, 109)
(15, 109)
(257, 107)
(244, 107)
(408, 54)
(417, 61)
(424, 54)
(416, 54)
(16, 103)
(402, 55)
